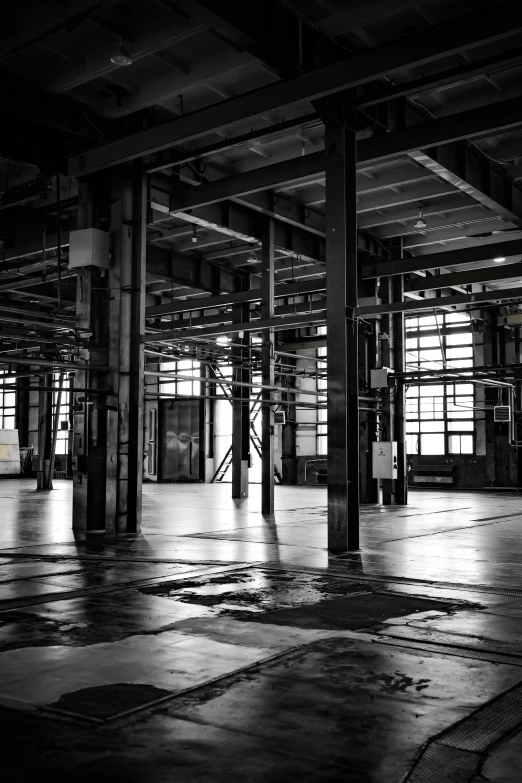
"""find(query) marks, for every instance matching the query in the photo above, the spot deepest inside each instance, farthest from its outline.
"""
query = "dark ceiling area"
(223, 104)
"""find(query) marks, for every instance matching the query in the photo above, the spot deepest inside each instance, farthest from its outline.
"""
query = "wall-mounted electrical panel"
(379, 378)
(384, 459)
(89, 247)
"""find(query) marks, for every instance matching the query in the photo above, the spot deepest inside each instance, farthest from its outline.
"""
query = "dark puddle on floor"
(296, 600)
(107, 701)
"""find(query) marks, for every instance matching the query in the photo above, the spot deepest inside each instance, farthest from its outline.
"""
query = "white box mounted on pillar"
(384, 459)
(89, 247)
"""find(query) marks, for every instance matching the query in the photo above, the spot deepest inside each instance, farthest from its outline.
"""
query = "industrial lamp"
(421, 223)
(121, 56)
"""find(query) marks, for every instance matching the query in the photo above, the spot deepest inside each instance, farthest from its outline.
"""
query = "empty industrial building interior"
(261, 403)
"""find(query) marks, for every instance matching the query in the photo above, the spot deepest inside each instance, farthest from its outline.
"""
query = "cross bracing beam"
(241, 297)
(284, 322)
(419, 48)
(306, 308)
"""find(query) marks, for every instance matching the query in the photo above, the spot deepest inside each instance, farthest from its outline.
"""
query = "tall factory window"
(440, 412)
(7, 402)
(62, 439)
(180, 386)
(322, 416)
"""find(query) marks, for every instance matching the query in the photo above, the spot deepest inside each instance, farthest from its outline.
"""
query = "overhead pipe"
(176, 376)
(50, 363)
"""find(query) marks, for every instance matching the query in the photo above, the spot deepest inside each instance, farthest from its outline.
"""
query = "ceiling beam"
(31, 22)
(170, 86)
(358, 14)
(430, 45)
(468, 169)
(439, 302)
(153, 40)
(488, 275)
(449, 258)
(190, 271)
(285, 322)
(469, 213)
(243, 297)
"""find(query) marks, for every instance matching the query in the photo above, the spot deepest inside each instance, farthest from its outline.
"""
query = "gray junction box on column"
(384, 459)
(89, 247)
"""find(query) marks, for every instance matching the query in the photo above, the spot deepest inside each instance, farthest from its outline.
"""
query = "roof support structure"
(420, 48)
(467, 168)
(370, 151)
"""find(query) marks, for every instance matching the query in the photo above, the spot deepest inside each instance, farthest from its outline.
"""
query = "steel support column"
(388, 402)
(89, 446)
(342, 336)
(267, 368)
(241, 409)
(108, 430)
(126, 355)
(44, 431)
(399, 365)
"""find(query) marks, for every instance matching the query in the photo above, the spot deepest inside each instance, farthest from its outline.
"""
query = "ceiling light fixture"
(498, 260)
(194, 234)
(421, 223)
(121, 56)
(252, 258)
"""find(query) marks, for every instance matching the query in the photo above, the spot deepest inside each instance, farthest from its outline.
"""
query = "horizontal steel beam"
(419, 48)
(465, 278)
(440, 302)
(370, 151)
(30, 360)
(189, 271)
(467, 255)
(285, 322)
(243, 297)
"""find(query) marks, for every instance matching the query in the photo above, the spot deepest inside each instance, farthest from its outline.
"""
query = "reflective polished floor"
(224, 645)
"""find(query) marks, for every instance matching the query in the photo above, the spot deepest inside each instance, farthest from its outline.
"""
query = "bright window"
(7, 402)
(440, 416)
(62, 440)
(181, 386)
(321, 413)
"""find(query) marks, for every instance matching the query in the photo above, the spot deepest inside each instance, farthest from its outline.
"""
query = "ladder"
(226, 462)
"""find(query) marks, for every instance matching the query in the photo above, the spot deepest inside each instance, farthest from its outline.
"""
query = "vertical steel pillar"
(126, 355)
(388, 402)
(289, 432)
(267, 369)
(108, 431)
(89, 416)
(399, 365)
(44, 431)
(241, 409)
(342, 335)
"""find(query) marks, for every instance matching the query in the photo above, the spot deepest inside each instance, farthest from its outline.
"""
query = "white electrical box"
(89, 247)
(379, 378)
(384, 459)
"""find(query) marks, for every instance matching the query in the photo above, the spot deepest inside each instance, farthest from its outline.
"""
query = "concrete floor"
(222, 645)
